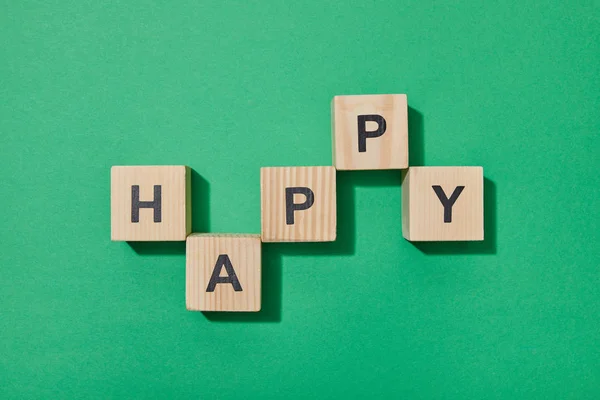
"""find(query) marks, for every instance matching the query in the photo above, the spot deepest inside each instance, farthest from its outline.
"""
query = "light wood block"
(223, 272)
(150, 203)
(298, 204)
(370, 131)
(424, 192)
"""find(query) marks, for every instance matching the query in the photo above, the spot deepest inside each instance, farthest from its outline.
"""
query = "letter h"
(136, 204)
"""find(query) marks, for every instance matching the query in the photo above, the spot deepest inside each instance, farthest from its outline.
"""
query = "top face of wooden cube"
(150, 203)
(424, 192)
(223, 272)
(298, 204)
(370, 132)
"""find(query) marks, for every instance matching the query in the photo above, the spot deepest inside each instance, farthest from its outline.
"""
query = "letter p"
(290, 206)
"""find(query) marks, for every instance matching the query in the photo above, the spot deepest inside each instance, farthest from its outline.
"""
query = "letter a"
(223, 260)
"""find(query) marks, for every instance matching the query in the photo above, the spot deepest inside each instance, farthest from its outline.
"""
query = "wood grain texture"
(423, 211)
(388, 151)
(202, 253)
(176, 215)
(315, 224)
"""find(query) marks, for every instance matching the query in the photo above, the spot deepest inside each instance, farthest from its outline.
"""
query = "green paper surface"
(228, 87)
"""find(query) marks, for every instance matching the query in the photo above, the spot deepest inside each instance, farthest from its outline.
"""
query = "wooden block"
(370, 131)
(298, 204)
(442, 203)
(150, 203)
(223, 272)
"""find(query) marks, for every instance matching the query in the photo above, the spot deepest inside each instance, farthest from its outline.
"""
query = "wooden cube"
(442, 203)
(150, 203)
(370, 131)
(223, 272)
(298, 204)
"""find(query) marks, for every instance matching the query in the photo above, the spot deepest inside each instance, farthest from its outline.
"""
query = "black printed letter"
(223, 260)
(362, 130)
(136, 204)
(447, 202)
(290, 206)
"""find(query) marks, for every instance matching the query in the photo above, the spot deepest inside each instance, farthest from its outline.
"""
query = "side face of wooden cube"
(370, 132)
(298, 204)
(442, 204)
(223, 272)
(150, 203)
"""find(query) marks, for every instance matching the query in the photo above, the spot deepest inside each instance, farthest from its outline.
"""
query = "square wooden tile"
(150, 203)
(223, 272)
(370, 131)
(442, 203)
(298, 204)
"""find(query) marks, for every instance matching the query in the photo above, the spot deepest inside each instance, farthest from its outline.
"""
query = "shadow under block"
(223, 272)
(298, 204)
(442, 204)
(370, 131)
(150, 203)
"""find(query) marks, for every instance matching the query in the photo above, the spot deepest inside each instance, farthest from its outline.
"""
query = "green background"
(228, 87)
